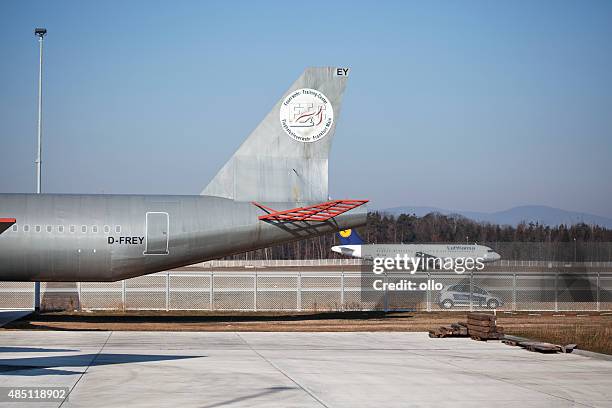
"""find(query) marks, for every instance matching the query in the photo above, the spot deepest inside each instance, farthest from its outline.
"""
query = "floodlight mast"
(40, 33)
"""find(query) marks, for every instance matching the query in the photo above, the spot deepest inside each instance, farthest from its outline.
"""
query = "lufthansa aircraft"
(274, 189)
(351, 244)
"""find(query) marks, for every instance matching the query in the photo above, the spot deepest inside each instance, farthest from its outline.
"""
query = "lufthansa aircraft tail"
(350, 237)
(285, 159)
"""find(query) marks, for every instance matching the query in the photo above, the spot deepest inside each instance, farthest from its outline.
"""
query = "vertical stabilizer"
(350, 237)
(285, 159)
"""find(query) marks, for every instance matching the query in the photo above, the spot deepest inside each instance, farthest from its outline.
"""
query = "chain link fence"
(327, 290)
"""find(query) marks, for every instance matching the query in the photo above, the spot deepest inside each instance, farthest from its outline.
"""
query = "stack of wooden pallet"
(481, 326)
(458, 329)
(538, 346)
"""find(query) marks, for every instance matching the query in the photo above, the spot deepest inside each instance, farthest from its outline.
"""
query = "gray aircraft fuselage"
(64, 237)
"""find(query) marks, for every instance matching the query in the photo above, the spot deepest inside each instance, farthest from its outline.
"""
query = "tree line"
(533, 241)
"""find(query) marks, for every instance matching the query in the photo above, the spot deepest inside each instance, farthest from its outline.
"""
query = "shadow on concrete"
(267, 391)
(37, 321)
(27, 324)
(7, 316)
(34, 366)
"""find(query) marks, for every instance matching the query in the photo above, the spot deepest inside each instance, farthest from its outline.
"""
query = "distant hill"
(528, 213)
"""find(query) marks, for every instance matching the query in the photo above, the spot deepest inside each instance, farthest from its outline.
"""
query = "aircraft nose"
(492, 256)
(336, 249)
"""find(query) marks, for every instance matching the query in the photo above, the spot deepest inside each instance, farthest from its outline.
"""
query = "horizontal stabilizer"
(317, 212)
(6, 223)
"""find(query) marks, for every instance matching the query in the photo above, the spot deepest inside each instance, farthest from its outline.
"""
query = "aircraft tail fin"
(285, 159)
(350, 237)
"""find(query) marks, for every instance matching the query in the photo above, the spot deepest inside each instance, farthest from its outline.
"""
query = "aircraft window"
(49, 228)
(15, 228)
(94, 229)
(118, 229)
(73, 229)
(26, 228)
(83, 228)
(60, 228)
(106, 229)
(37, 228)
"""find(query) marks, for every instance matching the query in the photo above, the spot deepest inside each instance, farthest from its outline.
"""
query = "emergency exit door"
(157, 226)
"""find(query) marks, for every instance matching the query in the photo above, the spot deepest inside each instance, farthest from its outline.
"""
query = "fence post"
(471, 291)
(211, 291)
(386, 303)
(255, 293)
(79, 295)
(428, 294)
(597, 294)
(123, 299)
(514, 292)
(167, 291)
(556, 287)
(299, 291)
(342, 290)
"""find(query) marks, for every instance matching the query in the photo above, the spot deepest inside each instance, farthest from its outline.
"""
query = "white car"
(459, 295)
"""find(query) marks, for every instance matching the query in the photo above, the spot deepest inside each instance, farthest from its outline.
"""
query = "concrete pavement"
(230, 369)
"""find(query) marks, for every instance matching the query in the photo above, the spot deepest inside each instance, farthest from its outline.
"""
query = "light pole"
(40, 33)
(574, 250)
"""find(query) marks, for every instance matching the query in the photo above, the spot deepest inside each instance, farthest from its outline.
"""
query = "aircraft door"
(157, 229)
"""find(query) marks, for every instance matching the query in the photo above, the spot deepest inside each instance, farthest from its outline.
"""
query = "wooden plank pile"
(538, 346)
(481, 326)
(458, 329)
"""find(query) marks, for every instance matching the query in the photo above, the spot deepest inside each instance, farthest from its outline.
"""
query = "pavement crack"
(93, 360)
(277, 368)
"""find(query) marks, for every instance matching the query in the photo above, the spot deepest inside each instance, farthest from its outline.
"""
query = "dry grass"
(587, 336)
(235, 321)
(592, 332)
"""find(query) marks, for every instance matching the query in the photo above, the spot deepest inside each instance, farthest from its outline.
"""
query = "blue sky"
(461, 105)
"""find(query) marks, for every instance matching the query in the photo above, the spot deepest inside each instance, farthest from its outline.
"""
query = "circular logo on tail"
(306, 115)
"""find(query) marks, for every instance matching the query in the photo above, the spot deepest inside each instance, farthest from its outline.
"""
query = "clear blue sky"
(459, 104)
